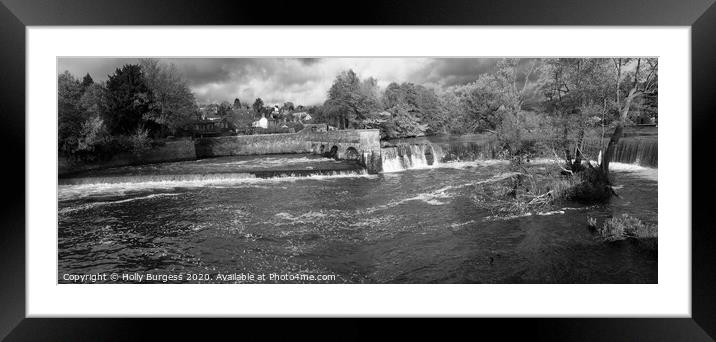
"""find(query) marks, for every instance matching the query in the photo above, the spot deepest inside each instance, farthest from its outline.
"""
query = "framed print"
(478, 161)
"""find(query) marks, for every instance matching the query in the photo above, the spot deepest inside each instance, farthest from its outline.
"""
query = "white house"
(301, 116)
(263, 122)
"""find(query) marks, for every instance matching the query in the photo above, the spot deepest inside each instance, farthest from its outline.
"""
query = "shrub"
(91, 134)
(140, 140)
(626, 226)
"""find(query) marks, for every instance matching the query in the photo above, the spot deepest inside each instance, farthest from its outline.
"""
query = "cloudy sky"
(299, 80)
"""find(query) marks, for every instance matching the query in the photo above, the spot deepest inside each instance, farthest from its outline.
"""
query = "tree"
(94, 100)
(172, 102)
(224, 110)
(577, 93)
(237, 104)
(258, 106)
(87, 81)
(415, 109)
(644, 83)
(69, 112)
(288, 106)
(128, 100)
(350, 100)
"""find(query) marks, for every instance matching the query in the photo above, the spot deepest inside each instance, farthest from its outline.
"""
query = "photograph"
(357, 170)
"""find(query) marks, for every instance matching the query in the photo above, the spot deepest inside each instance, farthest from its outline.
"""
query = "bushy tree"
(258, 106)
(87, 81)
(128, 100)
(70, 113)
(351, 100)
(224, 110)
(414, 102)
(81, 106)
(172, 102)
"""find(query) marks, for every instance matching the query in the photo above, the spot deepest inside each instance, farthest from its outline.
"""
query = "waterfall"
(410, 156)
(644, 152)
(209, 178)
(405, 155)
(471, 150)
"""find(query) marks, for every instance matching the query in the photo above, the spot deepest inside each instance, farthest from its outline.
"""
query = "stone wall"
(245, 145)
(305, 141)
(167, 152)
(366, 143)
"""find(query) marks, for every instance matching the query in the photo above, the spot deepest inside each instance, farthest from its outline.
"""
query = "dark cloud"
(299, 80)
(454, 71)
(98, 68)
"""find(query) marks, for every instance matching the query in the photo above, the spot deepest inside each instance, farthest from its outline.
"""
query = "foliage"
(258, 105)
(524, 105)
(172, 102)
(70, 113)
(351, 100)
(140, 140)
(92, 134)
(129, 99)
(626, 226)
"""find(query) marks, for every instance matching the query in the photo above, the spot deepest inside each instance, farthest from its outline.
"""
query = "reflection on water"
(414, 226)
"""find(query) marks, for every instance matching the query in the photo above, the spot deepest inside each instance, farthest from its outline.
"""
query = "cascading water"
(200, 173)
(410, 156)
(419, 153)
(207, 178)
(644, 152)
(219, 216)
(639, 150)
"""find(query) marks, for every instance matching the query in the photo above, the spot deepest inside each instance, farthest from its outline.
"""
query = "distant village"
(225, 119)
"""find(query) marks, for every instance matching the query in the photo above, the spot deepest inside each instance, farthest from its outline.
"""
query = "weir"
(360, 145)
(405, 155)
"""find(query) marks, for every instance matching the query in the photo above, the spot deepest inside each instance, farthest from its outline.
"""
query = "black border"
(15, 15)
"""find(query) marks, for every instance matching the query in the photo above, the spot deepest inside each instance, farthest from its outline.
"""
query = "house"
(263, 122)
(209, 111)
(209, 127)
(301, 116)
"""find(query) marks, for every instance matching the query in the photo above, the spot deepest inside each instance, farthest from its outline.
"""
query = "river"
(305, 215)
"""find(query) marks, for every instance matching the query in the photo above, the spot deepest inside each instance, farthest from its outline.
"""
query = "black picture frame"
(699, 15)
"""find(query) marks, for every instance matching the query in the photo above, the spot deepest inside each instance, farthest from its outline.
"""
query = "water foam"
(86, 206)
(73, 191)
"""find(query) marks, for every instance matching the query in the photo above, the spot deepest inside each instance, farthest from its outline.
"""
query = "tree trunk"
(565, 144)
(618, 132)
(577, 165)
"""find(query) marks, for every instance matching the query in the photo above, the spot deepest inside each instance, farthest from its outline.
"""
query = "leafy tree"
(129, 99)
(224, 110)
(172, 102)
(288, 106)
(92, 134)
(258, 106)
(87, 81)
(421, 103)
(70, 113)
(644, 83)
(405, 123)
(351, 100)
(94, 100)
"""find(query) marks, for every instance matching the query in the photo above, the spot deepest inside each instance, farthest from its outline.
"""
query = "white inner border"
(670, 297)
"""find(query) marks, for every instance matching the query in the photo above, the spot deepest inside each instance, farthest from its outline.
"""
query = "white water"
(138, 183)
(409, 157)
